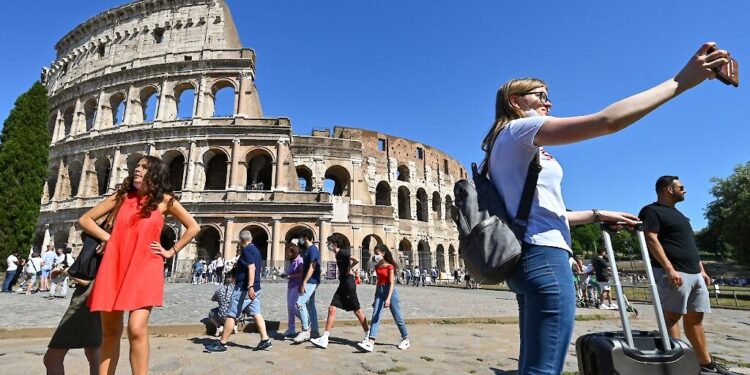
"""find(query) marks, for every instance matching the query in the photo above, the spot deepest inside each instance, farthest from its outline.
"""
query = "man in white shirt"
(66, 260)
(10, 271)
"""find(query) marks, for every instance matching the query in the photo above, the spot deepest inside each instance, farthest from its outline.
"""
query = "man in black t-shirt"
(601, 270)
(679, 273)
(345, 296)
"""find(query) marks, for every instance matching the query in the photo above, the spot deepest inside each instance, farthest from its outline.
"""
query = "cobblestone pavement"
(436, 348)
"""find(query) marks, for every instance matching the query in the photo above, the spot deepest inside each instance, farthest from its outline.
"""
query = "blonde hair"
(505, 112)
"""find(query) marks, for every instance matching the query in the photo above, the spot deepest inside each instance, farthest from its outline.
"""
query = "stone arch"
(422, 205)
(437, 202)
(368, 245)
(175, 161)
(149, 104)
(68, 117)
(383, 194)
(296, 232)
(260, 240)
(215, 165)
(259, 164)
(209, 242)
(405, 253)
(132, 162)
(54, 171)
(452, 257)
(117, 108)
(425, 256)
(347, 242)
(90, 109)
(404, 203)
(184, 100)
(223, 99)
(103, 169)
(448, 207)
(304, 174)
(402, 173)
(75, 170)
(440, 258)
(340, 178)
(60, 239)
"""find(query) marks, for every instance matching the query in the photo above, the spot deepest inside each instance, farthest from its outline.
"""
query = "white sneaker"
(404, 344)
(219, 331)
(321, 342)
(366, 346)
(302, 337)
(290, 333)
(614, 307)
(604, 306)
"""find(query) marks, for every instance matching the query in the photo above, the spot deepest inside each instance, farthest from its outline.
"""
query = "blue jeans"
(9, 275)
(381, 293)
(306, 302)
(547, 308)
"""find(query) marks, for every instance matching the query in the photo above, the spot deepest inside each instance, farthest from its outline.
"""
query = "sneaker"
(219, 331)
(216, 347)
(715, 368)
(404, 344)
(302, 337)
(264, 345)
(234, 330)
(366, 346)
(290, 333)
(603, 306)
(321, 342)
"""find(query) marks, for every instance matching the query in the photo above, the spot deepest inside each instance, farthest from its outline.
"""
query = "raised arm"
(88, 220)
(557, 131)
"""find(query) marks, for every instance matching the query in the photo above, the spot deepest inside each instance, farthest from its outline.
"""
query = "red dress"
(131, 276)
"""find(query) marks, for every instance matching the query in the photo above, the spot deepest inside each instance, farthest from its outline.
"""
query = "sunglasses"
(541, 95)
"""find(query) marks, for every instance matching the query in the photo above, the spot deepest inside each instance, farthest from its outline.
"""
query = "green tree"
(729, 214)
(24, 149)
(586, 239)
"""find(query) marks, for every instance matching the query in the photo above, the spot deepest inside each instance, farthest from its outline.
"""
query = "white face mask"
(531, 113)
(378, 258)
(330, 246)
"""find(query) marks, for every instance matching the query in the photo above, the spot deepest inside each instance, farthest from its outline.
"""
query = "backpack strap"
(527, 196)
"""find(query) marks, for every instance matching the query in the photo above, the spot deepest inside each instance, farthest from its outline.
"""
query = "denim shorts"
(46, 272)
(239, 295)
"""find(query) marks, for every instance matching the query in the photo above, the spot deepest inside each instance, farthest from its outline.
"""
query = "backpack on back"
(490, 240)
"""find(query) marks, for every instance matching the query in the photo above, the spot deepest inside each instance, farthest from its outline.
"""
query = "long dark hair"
(387, 255)
(155, 182)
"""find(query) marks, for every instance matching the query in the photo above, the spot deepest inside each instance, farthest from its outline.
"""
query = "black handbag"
(87, 263)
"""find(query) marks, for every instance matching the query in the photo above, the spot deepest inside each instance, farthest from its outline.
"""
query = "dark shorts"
(79, 327)
(345, 296)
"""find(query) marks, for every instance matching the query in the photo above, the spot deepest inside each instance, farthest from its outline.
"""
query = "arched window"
(90, 109)
(149, 103)
(383, 194)
(436, 205)
(368, 246)
(223, 93)
(425, 257)
(260, 240)
(259, 167)
(451, 258)
(117, 104)
(440, 258)
(184, 93)
(216, 170)
(405, 253)
(403, 173)
(176, 163)
(337, 181)
(448, 208)
(74, 173)
(52, 181)
(68, 116)
(297, 232)
(304, 174)
(103, 172)
(404, 203)
(208, 241)
(422, 205)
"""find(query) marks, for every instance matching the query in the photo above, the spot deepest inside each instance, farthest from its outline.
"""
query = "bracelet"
(597, 215)
(174, 249)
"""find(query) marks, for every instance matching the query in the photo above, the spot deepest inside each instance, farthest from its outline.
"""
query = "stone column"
(324, 231)
(59, 183)
(228, 237)
(277, 251)
(60, 126)
(99, 111)
(189, 180)
(161, 109)
(79, 119)
(234, 167)
(55, 128)
(127, 118)
(85, 171)
(200, 99)
(281, 168)
(114, 175)
(152, 149)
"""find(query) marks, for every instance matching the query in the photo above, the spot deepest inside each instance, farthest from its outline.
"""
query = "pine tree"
(24, 149)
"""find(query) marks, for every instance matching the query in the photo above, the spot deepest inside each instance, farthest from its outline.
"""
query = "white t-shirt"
(12, 263)
(61, 259)
(34, 265)
(509, 162)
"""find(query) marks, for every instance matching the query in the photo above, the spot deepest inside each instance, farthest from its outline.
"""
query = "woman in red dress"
(131, 275)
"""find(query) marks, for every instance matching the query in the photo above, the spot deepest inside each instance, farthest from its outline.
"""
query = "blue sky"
(429, 70)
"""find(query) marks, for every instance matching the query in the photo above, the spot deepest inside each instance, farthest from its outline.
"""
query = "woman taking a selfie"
(522, 127)
(131, 275)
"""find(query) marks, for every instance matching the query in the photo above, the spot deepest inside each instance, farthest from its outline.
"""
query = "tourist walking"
(386, 296)
(293, 274)
(48, 261)
(518, 136)
(219, 269)
(131, 274)
(197, 271)
(33, 272)
(680, 277)
(601, 271)
(65, 260)
(308, 313)
(345, 296)
(246, 285)
(11, 270)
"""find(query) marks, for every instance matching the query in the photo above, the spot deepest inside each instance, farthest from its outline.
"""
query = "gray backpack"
(491, 241)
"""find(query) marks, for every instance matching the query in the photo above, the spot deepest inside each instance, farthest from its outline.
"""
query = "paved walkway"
(445, 348)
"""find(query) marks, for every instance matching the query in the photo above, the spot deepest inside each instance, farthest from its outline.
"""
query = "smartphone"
(728, 73)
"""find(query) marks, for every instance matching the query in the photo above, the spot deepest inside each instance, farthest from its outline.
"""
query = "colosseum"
(170, 78)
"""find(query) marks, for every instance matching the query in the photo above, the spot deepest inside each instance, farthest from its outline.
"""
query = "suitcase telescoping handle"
(627, 331)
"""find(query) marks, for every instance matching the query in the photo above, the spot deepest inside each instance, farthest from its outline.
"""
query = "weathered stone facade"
(146, 78)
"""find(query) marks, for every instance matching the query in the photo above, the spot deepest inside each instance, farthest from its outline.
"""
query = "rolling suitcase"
(634, 352)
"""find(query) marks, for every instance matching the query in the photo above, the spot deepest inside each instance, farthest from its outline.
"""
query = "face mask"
(378, 258)
(330, 246)
(531, 113)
